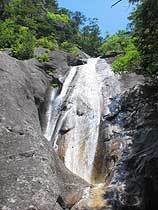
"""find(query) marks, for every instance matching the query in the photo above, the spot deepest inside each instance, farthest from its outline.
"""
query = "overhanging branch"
(116, 3)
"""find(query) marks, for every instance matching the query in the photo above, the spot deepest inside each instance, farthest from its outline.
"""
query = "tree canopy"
(26, 24)
(42, 23)
(140, 51)
(145, 28)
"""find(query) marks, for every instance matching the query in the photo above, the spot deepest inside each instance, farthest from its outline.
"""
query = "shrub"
(70, 48)
(7, 33)
(66, 45)
(44, 57)
(23, 48)
(47, 42)
(130, 61)
(115, 43)
(74, 51)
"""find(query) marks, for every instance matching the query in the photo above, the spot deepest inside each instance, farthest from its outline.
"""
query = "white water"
(111, 85)
(81, 98)
(84, 98)
(73, 119)
(51, 103)
(83, 138)
(55, 104)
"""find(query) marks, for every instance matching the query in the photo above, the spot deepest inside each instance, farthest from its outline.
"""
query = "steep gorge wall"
(31, 175)
(130, 154)
(141, 107)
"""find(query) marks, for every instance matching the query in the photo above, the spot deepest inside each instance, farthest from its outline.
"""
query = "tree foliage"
(47, 25)
(47, 42)
(144, 33)
(130, 61)
(115, 43)
(24, 44)
(145, 27)
(123, 45)
(90, 39)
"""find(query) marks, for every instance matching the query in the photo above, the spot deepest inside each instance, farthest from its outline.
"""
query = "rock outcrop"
(31, 175)
(133, 174)
(59, 62)
(141, 107)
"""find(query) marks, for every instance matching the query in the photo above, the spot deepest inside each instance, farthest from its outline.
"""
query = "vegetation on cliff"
(27, 24)
(122, 45)
(145, 28)
(139, 47)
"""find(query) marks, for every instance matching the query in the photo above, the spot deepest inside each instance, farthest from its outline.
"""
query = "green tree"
(42, 19)
(48, 42)
(7, 33)
(145, 26)
(123, 45)
(23, 47)
(115, 43)
(90, 39)
(130, 61)
(31, 14)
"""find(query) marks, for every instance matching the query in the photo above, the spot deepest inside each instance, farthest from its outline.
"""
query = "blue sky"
(110, 19)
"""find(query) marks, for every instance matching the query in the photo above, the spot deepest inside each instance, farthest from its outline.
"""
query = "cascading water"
(74, 115)
(52, 94)
(77, 123)
(54, 105)
(83, 138)
(77, 110)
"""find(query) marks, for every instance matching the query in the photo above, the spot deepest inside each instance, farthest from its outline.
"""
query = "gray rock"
(137, 109)
(60, 62)
(39, 51)
(32, 176)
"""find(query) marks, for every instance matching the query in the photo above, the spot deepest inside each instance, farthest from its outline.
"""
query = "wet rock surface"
(142, 113)
(114, 145)
(73, 119)
(132, 182)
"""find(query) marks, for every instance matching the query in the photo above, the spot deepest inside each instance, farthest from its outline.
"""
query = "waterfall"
(84, 123)
(50, 101)
(75, 111)
(74, 114)
(83, 138)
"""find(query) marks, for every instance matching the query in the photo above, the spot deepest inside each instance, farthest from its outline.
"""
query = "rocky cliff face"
(132, 179)
(141, 107)
(119, 111)
(88, 130)
(32, 176)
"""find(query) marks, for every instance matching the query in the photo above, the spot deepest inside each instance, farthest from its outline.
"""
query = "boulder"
(59, 62)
